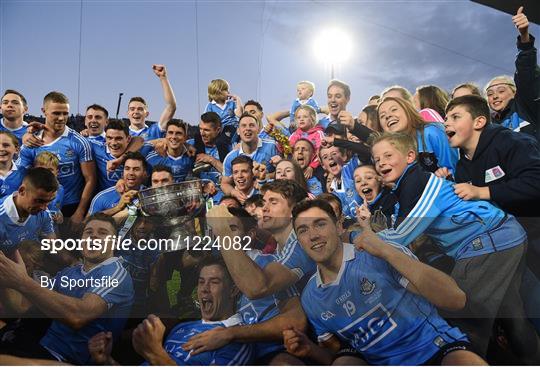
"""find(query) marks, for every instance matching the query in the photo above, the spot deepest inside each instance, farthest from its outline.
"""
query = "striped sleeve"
(114, 293)
(419, 218)
(83, 148)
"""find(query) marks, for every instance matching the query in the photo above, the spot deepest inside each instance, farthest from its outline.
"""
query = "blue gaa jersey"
(148, 132)
(72, 150)
(71, 345)
(13, 230)
(314, 186)
(325, 121)
(12, 180)
(233, 354)
(212, 174)
(102, 155)
(55, 206)
(97, 138)
(297, 103)
(347, 195)
(265, 150)
(435, 141)
(347, 172)
(104, 200)
(369, 307)
(180, 166)
(225, 112)
(293, 257)
(263, 309)
(462, 229)
(19, 132)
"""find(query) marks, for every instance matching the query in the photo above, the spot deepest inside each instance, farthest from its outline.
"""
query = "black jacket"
(525, 106)
(509, 163)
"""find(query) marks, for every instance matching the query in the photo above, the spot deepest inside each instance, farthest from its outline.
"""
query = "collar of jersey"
(64, 134)
(409, 166)
(108, 261)
(348, 255)
(11, 210)
(13, 169)
(24, 123)
(259, 144)
(140, 130)
(235, 319)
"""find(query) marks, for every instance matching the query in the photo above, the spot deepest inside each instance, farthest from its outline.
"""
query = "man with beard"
(217, 296)
(109, 201)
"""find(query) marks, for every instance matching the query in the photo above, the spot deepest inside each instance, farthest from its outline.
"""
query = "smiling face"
(134, 174)
(95, 121)
(13, 107)
(392, 117)
(7, 149)
(117, 141)
(303, 153)
(242, 176)
(56, 116)
(390, 162)
(318, 235)
(499, 94)
(285, 170)
(214, 293)
(366, 182)
(337, 101)
(175, 137)
(248, 129)
(209, 133)
(137, 114)
(332, 160)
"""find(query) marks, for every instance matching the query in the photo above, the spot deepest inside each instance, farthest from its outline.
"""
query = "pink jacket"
(430, 115)
(315, 135)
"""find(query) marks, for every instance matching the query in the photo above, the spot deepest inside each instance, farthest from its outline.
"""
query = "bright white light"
(333, 46)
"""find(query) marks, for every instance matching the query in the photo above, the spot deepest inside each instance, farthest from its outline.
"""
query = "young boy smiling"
(487, 244)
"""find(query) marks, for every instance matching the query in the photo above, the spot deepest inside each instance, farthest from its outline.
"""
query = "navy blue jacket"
(509, 163)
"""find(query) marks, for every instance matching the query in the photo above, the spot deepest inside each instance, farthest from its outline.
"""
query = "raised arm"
(252, 281)
(168, 96)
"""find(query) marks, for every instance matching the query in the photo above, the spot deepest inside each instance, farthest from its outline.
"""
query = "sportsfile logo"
(369, 329)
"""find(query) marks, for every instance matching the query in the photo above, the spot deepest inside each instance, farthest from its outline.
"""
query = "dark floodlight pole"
(119, 101)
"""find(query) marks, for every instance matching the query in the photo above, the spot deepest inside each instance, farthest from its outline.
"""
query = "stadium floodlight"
(333, 47)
